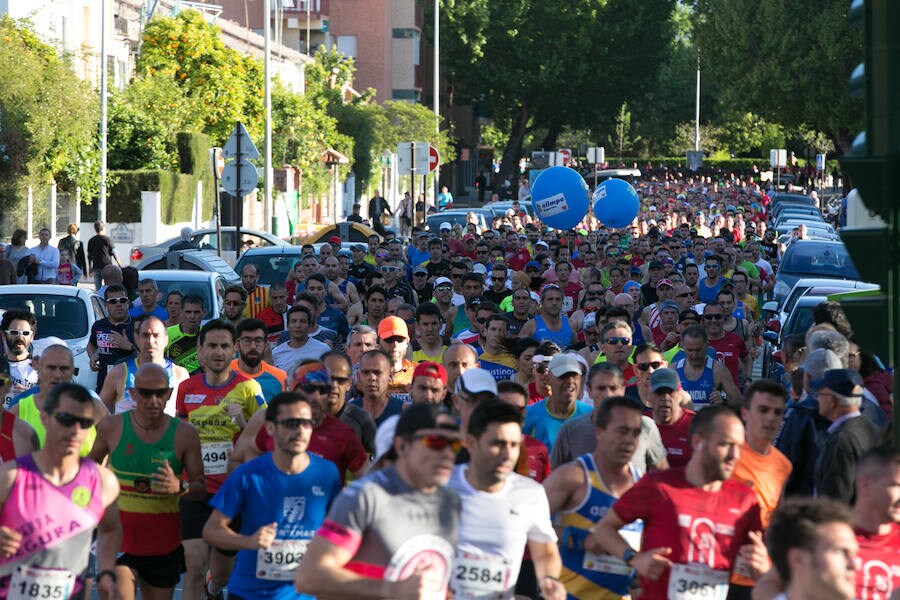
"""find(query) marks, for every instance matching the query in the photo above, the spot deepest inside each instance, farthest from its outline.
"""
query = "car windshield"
(815, 260)
(434, 221)
(273, 268)
(802, 320)
(188, 288)
(63, 316)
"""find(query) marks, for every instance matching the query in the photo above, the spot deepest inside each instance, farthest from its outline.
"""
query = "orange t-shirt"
(766, 474)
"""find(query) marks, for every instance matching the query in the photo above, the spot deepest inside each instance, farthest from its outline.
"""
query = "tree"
(789, 62)
(48, 126)
(603, 53)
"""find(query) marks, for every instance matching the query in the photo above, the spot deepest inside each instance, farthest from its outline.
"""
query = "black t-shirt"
(359, 272)
(440, 269)
(107, 354)
(100, 251)
(497, 297)
(401, 290)
(648, 294)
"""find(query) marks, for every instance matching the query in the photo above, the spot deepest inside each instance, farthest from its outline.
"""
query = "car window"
(197, 288)
(273, 268)
(802, 319)
(206, 241)
(62, 316)
(820, 261)
(99, 308)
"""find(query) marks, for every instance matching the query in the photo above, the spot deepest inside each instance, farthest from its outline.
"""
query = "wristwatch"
(185, 487)
(628, 555)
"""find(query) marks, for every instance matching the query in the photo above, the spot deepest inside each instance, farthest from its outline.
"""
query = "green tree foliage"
(788, 62)
(600, 54)
(48, 122)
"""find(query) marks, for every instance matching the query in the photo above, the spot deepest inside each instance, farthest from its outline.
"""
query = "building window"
(346, 45)
(417, 48)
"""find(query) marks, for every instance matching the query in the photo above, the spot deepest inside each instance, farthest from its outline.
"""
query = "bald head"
(112, 274)
(458, 358)
(151, 391)
(152, 376)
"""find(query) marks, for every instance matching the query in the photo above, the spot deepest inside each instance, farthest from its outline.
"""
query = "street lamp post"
(267, 181)
(101, 203)
(437, 88)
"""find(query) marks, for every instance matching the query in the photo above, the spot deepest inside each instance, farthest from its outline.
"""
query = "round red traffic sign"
(433, 158)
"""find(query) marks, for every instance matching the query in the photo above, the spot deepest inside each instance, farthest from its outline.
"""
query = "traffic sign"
(778, 158)
(413, 154)
(216, 162)
(566, 155)
(240, 144)
(596, 155)
(434, 158)
(820, 162)
(249, 177)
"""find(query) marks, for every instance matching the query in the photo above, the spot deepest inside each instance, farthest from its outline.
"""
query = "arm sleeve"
(229, 499)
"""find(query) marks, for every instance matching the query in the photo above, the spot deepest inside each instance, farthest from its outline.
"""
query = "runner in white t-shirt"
(501, 512)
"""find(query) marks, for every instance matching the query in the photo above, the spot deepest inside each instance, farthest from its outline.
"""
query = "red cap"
(334, 240)
(664, 282)
(431, 369)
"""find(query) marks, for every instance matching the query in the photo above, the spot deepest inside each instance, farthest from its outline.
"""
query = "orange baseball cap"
(391, 327)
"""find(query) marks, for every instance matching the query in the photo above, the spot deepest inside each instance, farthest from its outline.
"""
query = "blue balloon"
(616, 203)
(560, 197)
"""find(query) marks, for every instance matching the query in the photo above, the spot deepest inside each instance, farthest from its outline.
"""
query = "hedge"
(177, 189)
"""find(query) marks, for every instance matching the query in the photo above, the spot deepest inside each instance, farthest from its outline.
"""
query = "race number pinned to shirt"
(697, 581)
(479, 576)
(29, 582)
(215, 457)
(606, 563)
(279, 561)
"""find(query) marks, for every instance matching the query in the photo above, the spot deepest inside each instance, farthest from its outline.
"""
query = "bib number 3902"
(36, 582)
(279, 561)
(697, 582)
(215, 457)
(479, 576)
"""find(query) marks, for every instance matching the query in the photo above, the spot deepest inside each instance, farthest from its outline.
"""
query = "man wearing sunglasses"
(280, 498)
(149, 451)
(503, 512)
(393, 339)
(112, 338)
(40, 491)
(394, 281)
(393, 533)
(334, 440)
(19, 328)
(730, 348)
(152, 339)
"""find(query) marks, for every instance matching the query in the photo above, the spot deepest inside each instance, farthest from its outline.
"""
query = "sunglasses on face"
(67, 420)
(713, 317)
(686, 295)
(498, 278)
(649, 365)
(340, 380)
(18, 332)
(395, 339)
(541, 369)
(313, 388)
(295, 423)
(389, 269)
(442, 288)
(150, 392)
(615, 341)
(438, 442)
(117, 300)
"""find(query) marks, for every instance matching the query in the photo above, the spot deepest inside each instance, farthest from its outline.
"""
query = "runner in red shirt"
(516, 255)
(696, 521)
(673, 421)
(876, 522)
(730, 348)
(571, 289)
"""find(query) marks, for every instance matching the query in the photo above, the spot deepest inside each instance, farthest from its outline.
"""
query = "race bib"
(28, 583)
(215, 457)
(279, 561)
(696, 581)
(606, 563)
(568, 304)
(479, 576)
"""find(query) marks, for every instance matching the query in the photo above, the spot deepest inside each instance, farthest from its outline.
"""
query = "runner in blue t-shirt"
(281, 499)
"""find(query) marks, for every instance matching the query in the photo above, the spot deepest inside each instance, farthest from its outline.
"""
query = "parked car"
(784, 197)
(455, 216)
(208, 285)
(500, 208)
(812, 258)
(798, 321)
(816, 287)
(273, 263)
(67, 312)
(191, 260)
(207, 239)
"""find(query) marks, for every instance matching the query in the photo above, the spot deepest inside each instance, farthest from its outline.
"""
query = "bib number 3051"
(279, 561)
(36, 582)
(697, 582)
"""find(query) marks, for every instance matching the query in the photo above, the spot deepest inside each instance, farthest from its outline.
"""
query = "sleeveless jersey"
(701, 388)
(7, 444)
(588, 575)
(143, 510)
(562, 338)
(56, 524)
(637, 332)
(29, 413)
(461, 320)
(129, 403)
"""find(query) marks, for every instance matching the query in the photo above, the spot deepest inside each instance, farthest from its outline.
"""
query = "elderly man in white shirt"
(47, 259)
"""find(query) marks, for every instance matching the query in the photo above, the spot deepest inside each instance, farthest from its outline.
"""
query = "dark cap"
(664, 379)
(845, 382)
(655, 264)
(417, 417)
(475, 301)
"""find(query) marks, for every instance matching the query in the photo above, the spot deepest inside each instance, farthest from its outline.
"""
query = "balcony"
(318, 9)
